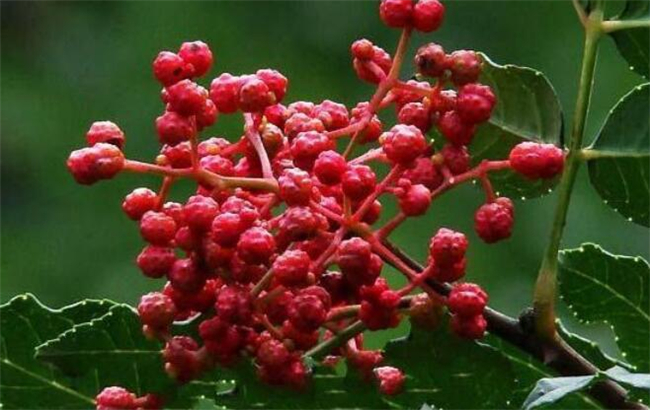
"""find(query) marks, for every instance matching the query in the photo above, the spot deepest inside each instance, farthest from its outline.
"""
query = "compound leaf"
(112, 350)
(26, 382)
(600, 287)
(634, 43)
(619, 167)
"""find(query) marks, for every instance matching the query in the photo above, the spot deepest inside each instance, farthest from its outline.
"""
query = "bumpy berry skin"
(535, 161)
(185, 276)
(456, 158)
(391, 380)
(181, 358)
(199, 212)
(198, 54)
(373, 130)
(157, 228)
(115, 398)
(170, 68)
(207, 115)
(354, 255)
(362, 49)
(469, 328)
(273, 353)
(276, 114)
(329, 167)
(186, 97)
(226, 228)
(448, 272)
(301, 122)
(156, 310)
(224, 93)
(291, 268)
(275, 81)
(431, 60)
(295, 187)
(447, 246)
(174, 128)
(475, 103)
(396, 13)
(424, 172)
(92, 164)
(256, 245)
(307, 312)
(428, 15)
(465, 67)
(358, 181)
(467, 300)
(177, 156)
(139, 201)
(307, 146)
(333, 115)
(493, 221)
(416, 114)
(107, 132)
(234, 304)
(424, 312)
(455, 130)
(218, 165)
(254, 95)
(415, 201)
(156, 261)
(403, 144)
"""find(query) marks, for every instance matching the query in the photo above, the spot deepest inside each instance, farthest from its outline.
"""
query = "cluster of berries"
(276, 256)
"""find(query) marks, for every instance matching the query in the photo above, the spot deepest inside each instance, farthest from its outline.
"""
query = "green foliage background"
(65, 64)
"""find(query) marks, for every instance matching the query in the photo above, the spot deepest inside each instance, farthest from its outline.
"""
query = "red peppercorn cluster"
(277, 252)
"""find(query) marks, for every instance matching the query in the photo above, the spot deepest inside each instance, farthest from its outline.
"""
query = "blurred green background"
(66, 64)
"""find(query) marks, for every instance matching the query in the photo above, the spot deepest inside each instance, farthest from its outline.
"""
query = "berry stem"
(479, 172)
(329, 214)
(333, 246)
(391, 225)
(345, 312)
(203, 176)
(167, 183)
(545, 288)
(336, 341)
(487, 187)
(262, 283)
(350, 129)
(394, 173)
(373, 154)
(416, 89)
(254, 138)
(384, 86)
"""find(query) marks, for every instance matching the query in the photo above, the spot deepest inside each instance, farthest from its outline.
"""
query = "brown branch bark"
(556, 354)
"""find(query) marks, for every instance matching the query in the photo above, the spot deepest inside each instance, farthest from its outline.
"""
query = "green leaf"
(26, 382)
(619, 158)
(112, 350)
(528, 371)
(435, 364)
(527, 109)
(600, 287)
(638, 380)
(587, 348)
(634, 43)
(551, 390)
(438, 362)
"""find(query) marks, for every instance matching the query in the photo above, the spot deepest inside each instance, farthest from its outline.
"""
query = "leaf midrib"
(612, 290)
(53, 384)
